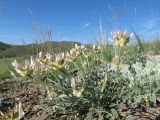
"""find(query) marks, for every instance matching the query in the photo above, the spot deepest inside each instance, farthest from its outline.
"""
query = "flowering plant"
(83, 85)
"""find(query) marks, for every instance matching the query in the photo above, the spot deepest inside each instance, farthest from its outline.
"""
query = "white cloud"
(86, 25)
(150, 25)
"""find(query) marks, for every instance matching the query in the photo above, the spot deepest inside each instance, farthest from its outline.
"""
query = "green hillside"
(9, 51)
(4, 46)
(20, 52)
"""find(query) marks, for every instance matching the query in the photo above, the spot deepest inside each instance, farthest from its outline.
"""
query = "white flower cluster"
(74, 52)
(121, 38)
(44, 62)
(25, 69)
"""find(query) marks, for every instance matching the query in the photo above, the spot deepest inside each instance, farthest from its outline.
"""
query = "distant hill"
(8, 51)
(4, 46)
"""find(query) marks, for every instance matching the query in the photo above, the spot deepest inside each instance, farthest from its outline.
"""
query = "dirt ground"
(33, 94)
(30, 93)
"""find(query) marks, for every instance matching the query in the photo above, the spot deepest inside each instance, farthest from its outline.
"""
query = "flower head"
(121, 37)
(74, 52)
(73, 83)
(41, 58)
(49, 57)
(16, 65)
(96, 49)
(25, 69)
(59, 58)
(77, 93)
(20, 110)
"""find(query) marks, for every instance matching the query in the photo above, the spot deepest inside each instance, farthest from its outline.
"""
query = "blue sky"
(76, 19)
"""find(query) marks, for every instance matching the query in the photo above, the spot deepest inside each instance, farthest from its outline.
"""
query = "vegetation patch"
(104, 83)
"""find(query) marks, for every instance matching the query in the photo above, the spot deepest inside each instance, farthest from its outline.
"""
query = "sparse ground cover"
(32, 95)
(82, 84)
(80, 60)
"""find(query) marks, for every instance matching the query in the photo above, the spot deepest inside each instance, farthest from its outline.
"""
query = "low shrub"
(82, 84)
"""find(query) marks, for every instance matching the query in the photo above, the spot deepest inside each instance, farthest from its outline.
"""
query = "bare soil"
(30, 93)
(33, 94)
